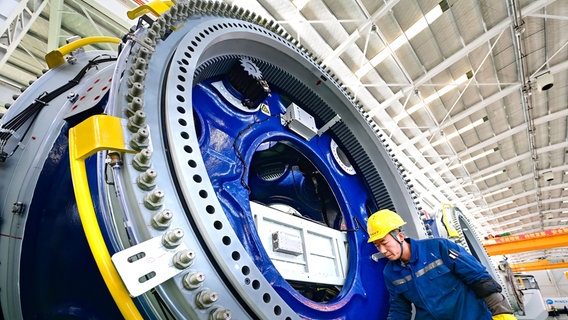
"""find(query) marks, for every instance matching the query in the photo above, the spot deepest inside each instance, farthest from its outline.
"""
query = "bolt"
(154, 200)
(162, 219)
(193, 280)
(133, 106)
(18, 207)
(173, 11)
(139, 63)
(183, 259)
(220, 314)
(72, 96)
(147, 180)
(149, 42)
(142, 160)
(172, 238)
(139, 140)
(137, 76)
(144, 52)
(206, 298)
(136, 121)
(135, 91)
(71, 60)
(151, 35)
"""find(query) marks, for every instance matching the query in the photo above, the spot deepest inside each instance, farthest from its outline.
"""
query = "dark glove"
(497, 304)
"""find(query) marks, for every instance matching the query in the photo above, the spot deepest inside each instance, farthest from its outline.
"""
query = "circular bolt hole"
(255, 284)
(236, 255)
(266, 297)
(245, 270)
(210, 209)
(203, 194)
(218, 225)
(227, 241)
(277, 310)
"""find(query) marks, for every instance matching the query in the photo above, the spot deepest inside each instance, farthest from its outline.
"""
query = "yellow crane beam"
(527, 242)
(538, 265)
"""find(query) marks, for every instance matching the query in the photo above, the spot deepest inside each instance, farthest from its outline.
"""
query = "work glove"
(498, 305)
(504, 316)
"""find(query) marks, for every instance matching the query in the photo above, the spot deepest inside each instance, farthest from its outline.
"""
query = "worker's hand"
(504, 316)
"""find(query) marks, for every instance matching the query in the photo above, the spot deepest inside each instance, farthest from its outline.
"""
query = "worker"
(440, 278)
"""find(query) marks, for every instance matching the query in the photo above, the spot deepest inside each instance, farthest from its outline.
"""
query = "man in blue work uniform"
(440, 278)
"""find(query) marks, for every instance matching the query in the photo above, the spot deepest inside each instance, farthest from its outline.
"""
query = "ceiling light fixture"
(460, 131)
(299, 4)
(506, 223)
(445, 89)
(496, 192)
(500, 205)
(499, 216)
(483, 154)
(515, 228)
(494, 174)
(406, 36)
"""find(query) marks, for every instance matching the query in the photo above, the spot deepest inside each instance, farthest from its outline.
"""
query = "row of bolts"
(153, 200)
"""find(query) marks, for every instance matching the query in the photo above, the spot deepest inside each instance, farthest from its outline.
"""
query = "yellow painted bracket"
(99, 132)
(155, 7)
(452, 233)
(55, 57)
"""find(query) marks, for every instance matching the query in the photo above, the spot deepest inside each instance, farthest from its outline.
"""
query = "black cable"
(240, 156)
(11, 126)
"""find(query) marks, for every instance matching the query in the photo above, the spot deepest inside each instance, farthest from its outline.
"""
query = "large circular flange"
(191, 127)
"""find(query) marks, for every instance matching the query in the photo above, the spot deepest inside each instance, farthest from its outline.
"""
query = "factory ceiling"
(471, 94)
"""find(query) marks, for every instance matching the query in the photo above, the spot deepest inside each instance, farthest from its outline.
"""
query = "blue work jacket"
(437, 281)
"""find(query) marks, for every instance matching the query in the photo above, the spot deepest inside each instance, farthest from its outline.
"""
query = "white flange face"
(341, 159)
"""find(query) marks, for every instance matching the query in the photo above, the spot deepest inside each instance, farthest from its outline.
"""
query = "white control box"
(300, 122)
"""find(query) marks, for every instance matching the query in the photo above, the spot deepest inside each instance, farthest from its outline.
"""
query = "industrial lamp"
(545, 82)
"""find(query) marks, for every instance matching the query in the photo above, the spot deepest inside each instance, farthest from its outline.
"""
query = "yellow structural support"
(100, 132)
(452, 233)
(154, 7)
(55, 57)
(538, 265)
(527, 242)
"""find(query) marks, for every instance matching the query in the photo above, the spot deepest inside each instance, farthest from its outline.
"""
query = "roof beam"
(490, 34)
(15, 24)
(357, 33)
(55, 12)
(493, 141)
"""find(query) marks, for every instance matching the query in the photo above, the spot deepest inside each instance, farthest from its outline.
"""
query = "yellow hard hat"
(382, 222)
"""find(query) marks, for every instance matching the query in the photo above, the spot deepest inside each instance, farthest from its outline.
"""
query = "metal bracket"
(146, 265)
